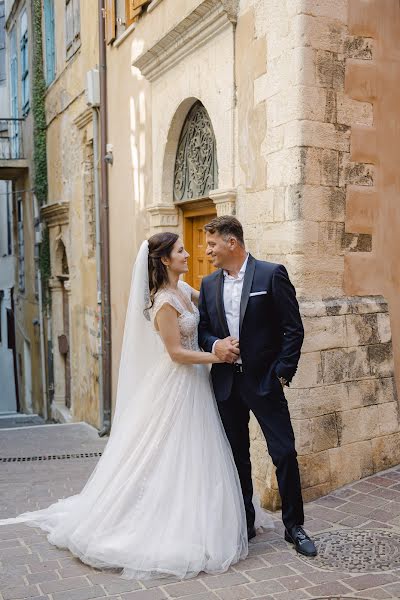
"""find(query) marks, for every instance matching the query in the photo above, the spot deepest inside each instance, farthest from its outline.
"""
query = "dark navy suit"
(271, 336)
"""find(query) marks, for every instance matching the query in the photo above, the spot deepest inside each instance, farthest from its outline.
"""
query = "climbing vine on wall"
(39, 134)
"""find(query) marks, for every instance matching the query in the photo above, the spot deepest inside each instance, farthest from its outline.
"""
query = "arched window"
(196, 170)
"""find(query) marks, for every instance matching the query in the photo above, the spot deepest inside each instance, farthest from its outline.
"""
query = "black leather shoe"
(251, 533)
(303, 544)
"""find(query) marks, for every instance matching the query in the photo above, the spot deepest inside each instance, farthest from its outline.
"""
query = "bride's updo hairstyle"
(160, 245)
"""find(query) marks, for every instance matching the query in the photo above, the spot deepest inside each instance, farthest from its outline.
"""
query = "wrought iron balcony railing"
(11, 141)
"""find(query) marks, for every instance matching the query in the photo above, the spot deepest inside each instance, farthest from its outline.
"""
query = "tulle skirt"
(165, 497)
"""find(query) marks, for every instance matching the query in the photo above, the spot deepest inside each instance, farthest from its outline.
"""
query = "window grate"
(50, 457)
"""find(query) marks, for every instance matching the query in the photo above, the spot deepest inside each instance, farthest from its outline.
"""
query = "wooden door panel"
(199, 264)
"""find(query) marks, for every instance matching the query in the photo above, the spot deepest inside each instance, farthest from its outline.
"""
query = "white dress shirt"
(233, 287)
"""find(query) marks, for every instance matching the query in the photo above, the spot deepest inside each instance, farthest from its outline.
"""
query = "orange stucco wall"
(376, 210)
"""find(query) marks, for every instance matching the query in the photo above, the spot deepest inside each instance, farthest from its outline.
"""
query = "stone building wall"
(271, 76)
(343, 398)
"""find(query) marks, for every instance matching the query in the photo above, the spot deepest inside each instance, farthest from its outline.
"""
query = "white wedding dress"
(165, 497)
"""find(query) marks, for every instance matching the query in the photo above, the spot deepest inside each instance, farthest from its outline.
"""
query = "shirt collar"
(241, 271)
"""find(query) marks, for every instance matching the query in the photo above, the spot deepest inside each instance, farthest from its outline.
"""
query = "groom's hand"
(227, 350)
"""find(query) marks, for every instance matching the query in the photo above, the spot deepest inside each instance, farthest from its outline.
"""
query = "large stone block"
(303, 433)
(314, 469)
(360, 393)
(316, 134)
(309, 373)
(259, 207)
(291, 237)
(274, 140)
(316, 401)
(350, 112)
(352, 173)
(323, 333)
(386, 451)
(315, 203)
(313, 278)
(350, 463)
(362, 329)
(381, 360)
(319, 166)
(358, 424)
(384, 328)
(345, 364)
(321, 33)
(386, 390)
(324, 433)
(388, 418)
(330, 70)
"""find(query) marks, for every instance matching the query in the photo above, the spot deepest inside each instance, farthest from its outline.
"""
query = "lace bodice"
(188, 314)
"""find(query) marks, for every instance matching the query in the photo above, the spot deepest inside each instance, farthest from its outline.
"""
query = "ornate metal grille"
(196, 170)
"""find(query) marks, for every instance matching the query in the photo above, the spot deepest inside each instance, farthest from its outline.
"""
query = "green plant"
(40, 183)
(38, 107)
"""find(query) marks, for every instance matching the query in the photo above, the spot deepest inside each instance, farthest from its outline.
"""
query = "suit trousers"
(273, 416)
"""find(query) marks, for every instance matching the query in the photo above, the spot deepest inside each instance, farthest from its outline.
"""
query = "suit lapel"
(220, 304)
(247, 283)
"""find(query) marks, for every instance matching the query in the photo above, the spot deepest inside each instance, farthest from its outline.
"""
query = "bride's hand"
(216, 360)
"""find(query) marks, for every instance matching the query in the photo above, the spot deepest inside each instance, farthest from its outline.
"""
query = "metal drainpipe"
(96, 164)
(105, 236)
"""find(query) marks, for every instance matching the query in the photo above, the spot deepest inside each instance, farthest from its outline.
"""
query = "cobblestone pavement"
(357, 530)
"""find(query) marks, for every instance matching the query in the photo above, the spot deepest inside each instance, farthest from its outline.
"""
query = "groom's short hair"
(226, 226)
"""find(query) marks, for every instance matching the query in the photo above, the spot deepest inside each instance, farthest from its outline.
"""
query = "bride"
(165, 497)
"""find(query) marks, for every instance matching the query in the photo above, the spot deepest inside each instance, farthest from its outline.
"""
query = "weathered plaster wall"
(69, 133)
(376, 211)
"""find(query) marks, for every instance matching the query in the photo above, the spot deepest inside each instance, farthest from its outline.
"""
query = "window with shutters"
(72, 27)
(24, 63)
(134, 9)
(2, 45)
(120, 14)
(49, 41)
(21, 244)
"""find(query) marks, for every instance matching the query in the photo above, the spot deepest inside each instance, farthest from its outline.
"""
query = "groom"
(249, 317)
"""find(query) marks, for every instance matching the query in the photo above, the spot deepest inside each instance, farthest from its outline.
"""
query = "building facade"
(20, 350)
(266, 110)
(70, 34)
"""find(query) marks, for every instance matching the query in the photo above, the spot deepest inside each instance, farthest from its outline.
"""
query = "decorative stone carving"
(224, 200)
(196, 170)
(203, 23)
(163, 215)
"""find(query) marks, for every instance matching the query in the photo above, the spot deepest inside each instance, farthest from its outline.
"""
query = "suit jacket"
(271, 331)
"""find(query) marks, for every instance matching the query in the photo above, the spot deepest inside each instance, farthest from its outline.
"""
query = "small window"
(72, 27)
(24, 63)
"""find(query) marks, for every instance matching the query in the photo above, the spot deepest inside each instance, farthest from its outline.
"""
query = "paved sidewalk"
(357, 530)
(20, 420)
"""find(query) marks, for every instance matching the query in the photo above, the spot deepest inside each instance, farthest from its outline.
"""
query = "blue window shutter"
(49, 41)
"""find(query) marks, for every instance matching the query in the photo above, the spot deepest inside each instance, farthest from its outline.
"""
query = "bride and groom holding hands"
(172, 493)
